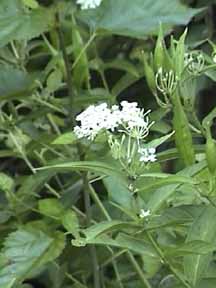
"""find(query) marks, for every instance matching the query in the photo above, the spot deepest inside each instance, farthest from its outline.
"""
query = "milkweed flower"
(144, 213)
(126, 126)
(126, 118)
(89, 4)
(147, 154)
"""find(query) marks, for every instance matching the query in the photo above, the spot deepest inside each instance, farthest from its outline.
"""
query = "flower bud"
(210, 150)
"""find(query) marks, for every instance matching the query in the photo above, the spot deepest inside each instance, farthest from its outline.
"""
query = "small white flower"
(147, 154)
(166, 82)
(89, 4)
(93, 120)
(214, 58)
(144, 213)
(134, 120)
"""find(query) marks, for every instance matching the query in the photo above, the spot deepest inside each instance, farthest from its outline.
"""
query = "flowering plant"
(96, 189)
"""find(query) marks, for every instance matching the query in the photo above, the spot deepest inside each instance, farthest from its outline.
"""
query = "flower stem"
(166, 261)
(138, 270)
(130, 255)
(71, 90)
(92, 248)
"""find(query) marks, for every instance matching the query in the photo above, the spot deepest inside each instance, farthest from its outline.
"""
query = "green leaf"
(54, 250)
(6, 183)
(17, 23)
(33, 183)
(157, 142)
(54, 80)
(118, 192)
(161, 195)
(66, 138)
(126, 242)
(138, 18)
(71, 223)
(14, 82)
(102, 168)
(51, 207)
(191, 247)
(207, 283)
(23, 252)
(163, 179)
(106, 226)
(204, 229)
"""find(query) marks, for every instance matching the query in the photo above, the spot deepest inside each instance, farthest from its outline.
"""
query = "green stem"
(166, 261)
(130, 256)
(83, 50)
(67, 63)
(92, 249)
(138, 270)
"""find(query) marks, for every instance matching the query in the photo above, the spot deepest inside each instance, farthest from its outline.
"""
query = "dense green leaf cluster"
(72, 216)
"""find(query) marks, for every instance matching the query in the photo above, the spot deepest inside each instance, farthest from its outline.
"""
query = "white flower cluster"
(95, 119)
(144, 213)
(89, 4)
(147, 154)
(128, 119)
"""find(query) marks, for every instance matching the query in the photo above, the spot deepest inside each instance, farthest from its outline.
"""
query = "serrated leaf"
(55, 248)
(22, 250)
(137, 18)
(18, 24)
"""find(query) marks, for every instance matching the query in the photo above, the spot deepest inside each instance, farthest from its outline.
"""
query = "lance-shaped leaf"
(204, 229)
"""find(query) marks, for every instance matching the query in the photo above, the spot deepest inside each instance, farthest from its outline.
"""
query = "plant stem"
(166, 261)
(92, 249)
(72, 94)
(138, 270)
(83, 50)
(67, 63)
(130, 255)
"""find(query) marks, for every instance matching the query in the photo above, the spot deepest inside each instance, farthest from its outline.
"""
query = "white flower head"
(134, 120)
(147, 155)
(89, 4)
(144, 213)
(166, 81)
(214, 57)
(127, 119)
(93, 120)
